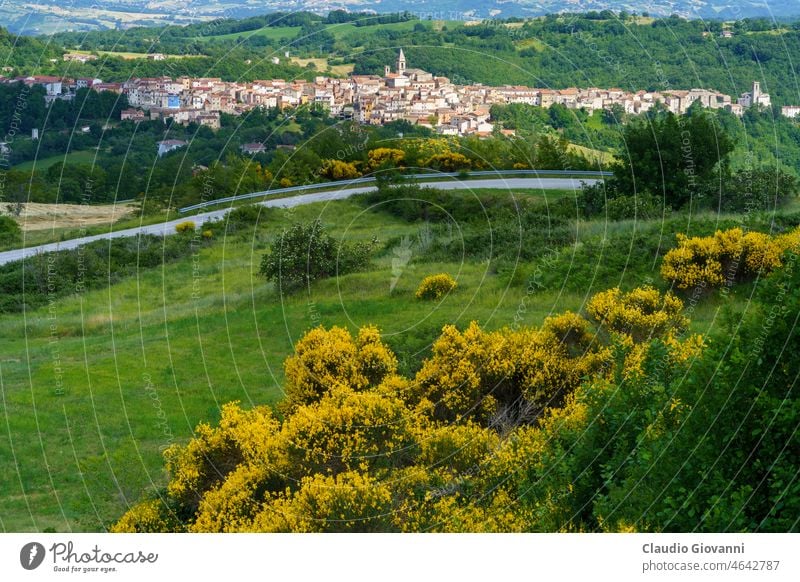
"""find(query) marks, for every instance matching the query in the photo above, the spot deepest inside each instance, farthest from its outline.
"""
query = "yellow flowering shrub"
(572, 330)
(542, 371)
(324, 358)
(435, 286)
(184, 227)
(450, 385)
(233, 505)
(215, 452)
(448, 162)
(147, 517)
(348, 502)
(459, 449)
(349, 430)
(420, 149)
(459, 513)
(480, 440)
(339, 170)
(642, 313)
(502, 376)
(729, 255)
(760, 253)
(385, 156)
(789, 241)
(684, 351)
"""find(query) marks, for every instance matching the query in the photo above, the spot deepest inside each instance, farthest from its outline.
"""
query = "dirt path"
(37, 216)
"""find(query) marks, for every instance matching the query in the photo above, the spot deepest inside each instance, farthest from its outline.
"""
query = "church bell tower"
(401, 63)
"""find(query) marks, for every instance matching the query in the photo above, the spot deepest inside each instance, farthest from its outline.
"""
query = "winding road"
(168, 228)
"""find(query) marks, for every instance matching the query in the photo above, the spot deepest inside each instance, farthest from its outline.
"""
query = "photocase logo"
(31, 555)
(402, 255)
(405, 250)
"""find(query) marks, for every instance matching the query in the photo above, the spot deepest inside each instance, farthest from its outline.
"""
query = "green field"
(288, 32)
(351, 31)
(79, 157)
(94, 385)
(271, 32)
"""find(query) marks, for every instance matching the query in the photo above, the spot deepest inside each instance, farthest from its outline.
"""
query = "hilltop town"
(405, 93)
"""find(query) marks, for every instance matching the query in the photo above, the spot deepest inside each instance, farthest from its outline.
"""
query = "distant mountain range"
(47, 16)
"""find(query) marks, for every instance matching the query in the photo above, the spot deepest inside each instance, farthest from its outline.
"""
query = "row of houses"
(63, 88)
(87, 57)
(409, 94)
(404, 93)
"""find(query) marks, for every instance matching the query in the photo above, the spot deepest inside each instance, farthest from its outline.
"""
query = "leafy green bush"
(486, 226)
(306, 253)
(758, 189)
(641, 207)
(10, 231)
(435, 286)
(245, 216)
(601, 199)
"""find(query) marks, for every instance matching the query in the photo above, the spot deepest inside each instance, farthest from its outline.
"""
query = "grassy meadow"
(42, 164)
(95, 385)
(345, 29)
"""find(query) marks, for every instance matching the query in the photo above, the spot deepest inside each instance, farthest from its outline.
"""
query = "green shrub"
(642, 206)
(306, 253)
(10, 231)
(435, 286)
(245, 216)
(758, 189)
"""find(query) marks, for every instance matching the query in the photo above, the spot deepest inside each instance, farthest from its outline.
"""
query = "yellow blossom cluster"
(435, 286)
(184, 227)
(323, 358)
(727, 256)
(361, 448)
(448, 162)
(385, 157)
(339, 170)
(642, 313)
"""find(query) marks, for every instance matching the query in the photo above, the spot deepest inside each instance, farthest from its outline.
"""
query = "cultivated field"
(36, 216)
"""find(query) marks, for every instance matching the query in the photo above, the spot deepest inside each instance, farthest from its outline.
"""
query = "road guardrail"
(371, 179)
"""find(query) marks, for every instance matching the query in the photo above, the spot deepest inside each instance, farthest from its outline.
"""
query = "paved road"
(167, 228)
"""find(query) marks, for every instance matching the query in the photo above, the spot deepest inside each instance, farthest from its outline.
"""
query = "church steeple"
(401, 63)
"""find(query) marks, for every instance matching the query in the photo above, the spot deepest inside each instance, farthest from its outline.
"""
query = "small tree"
(305, 253)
